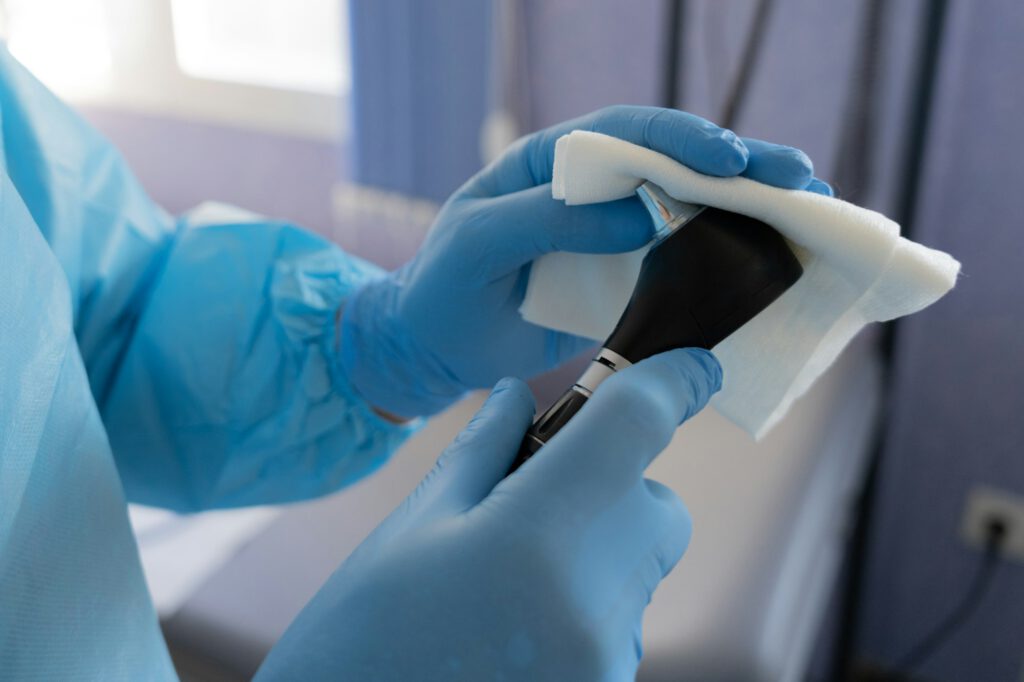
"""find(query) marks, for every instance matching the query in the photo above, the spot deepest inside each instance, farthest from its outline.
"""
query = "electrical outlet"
(985, 505)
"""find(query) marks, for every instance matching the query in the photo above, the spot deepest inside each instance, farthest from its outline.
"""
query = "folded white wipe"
(857, 269)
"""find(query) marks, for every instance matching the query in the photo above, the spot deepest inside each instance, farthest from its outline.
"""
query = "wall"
(183, 163)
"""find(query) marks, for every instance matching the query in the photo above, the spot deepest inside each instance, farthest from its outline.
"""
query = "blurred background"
(845, 545)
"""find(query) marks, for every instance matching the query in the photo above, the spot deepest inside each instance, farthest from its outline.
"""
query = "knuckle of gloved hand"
(476, 218)
(591, 643)
(537, 154)
(678, 523)
(520, 148)
(672, 527)
(665, 497)
(664, 558)
(600, 647)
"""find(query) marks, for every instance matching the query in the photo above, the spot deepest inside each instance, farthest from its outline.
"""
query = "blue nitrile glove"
(541, 576)
(448, 321)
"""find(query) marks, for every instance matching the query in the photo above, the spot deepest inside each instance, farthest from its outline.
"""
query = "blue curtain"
(419, 93)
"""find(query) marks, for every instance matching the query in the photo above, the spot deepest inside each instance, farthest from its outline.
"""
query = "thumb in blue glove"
(543, 575)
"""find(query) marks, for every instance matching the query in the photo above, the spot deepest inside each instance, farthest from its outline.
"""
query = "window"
(296, 44)
(66, 44)
(274, 65)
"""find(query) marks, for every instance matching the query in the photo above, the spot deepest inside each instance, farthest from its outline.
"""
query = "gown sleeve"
(209, 340)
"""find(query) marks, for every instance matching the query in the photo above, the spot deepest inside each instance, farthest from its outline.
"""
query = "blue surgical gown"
(145, 358)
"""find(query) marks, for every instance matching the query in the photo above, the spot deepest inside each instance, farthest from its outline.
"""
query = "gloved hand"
(541, 576)
(448, 321)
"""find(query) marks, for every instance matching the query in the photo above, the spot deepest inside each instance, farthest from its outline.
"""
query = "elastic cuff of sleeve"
(384, 363)
(308, 294)
(391, 431)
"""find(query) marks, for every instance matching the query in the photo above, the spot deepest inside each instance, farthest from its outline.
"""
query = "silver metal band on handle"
(607, 363)
(667, 213)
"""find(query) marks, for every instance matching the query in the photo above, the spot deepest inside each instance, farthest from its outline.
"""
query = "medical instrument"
(707, 273)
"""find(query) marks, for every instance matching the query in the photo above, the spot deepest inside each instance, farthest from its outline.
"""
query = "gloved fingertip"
(699, 377)
(800, 158)
(795, 165)
(511, 388)
(781, 166)
(820, 187)
(503, 384)
(709, 363)
(508, 409)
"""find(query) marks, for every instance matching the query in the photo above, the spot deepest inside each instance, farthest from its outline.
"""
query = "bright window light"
(285, 44)
(63, 42)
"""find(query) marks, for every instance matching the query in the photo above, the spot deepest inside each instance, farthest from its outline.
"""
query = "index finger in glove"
(507, 232)
(689, 139)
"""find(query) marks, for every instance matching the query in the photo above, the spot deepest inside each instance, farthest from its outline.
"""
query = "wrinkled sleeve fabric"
(228, 393)
(210, 348)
